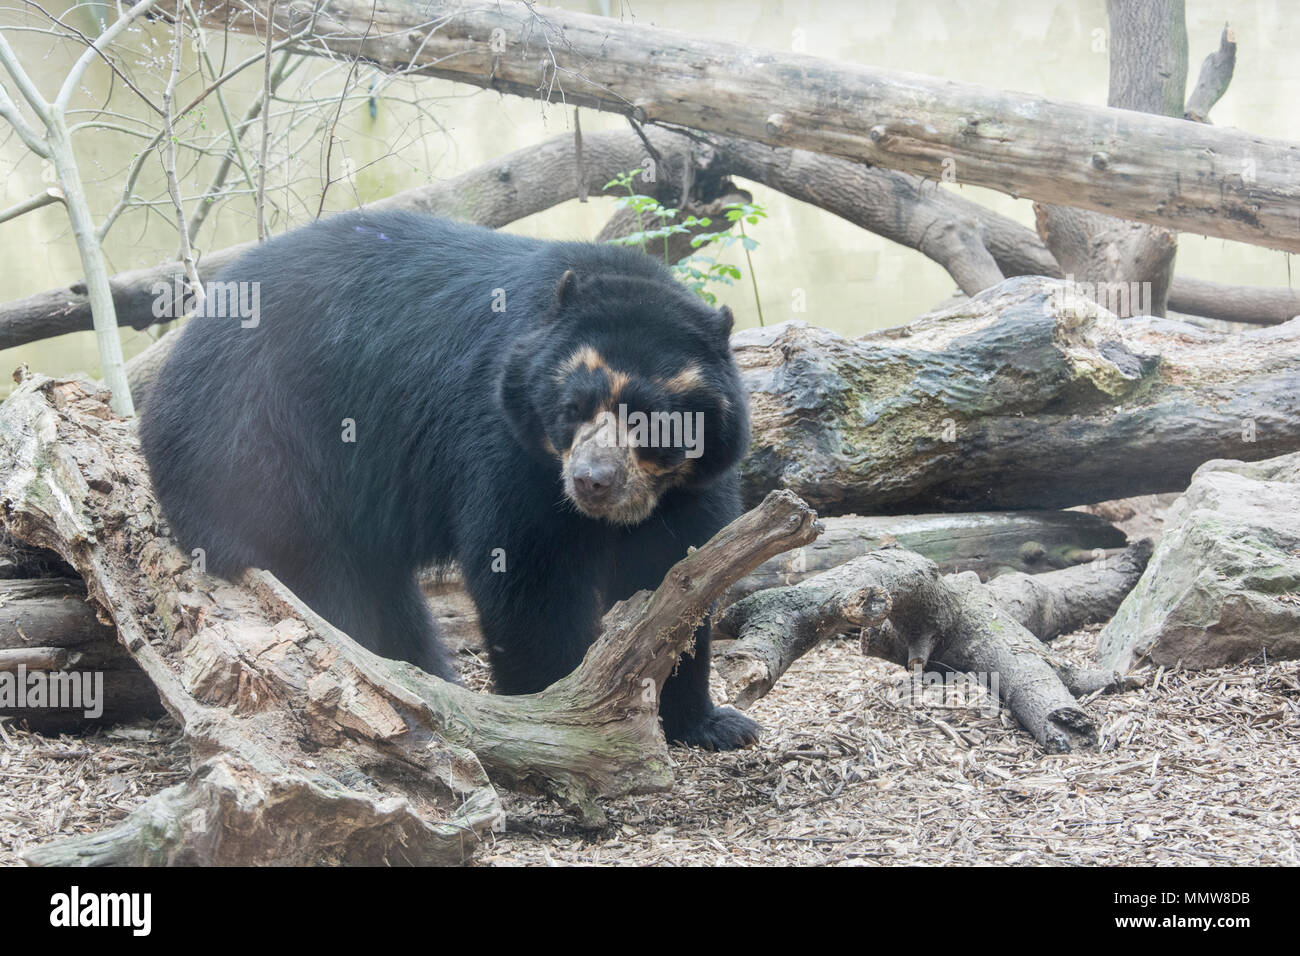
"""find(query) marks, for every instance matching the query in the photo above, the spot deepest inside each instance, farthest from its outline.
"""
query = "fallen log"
(1155, 169)
(1058, 602)
(306, 747)
(986, 543)
(46, 626)
(913, 617)
(1027, 395)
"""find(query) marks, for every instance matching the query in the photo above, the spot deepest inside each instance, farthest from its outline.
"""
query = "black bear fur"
(448, 347)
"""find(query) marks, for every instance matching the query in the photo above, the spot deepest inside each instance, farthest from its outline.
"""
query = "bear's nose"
(595, 481)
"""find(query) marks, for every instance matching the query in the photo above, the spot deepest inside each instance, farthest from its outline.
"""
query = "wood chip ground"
(1194, 768)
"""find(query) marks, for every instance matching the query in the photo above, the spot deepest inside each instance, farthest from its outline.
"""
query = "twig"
(266, 129)
(53, 194)
(186, 253)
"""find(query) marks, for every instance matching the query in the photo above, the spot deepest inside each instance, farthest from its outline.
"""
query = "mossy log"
(1026, 396)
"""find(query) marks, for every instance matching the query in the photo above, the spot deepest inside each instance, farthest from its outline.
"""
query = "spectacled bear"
(415, 391)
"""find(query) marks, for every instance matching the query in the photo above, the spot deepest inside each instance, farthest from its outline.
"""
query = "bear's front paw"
(722, 729)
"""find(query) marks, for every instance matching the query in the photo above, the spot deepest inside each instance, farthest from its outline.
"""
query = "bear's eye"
(572, 410)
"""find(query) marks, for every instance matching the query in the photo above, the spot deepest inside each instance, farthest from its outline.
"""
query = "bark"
(1148, 56)
(1023, 397)
(306, 747)
(1157, 170)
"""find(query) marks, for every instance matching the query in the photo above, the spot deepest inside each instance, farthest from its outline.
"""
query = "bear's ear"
(567, 286)
(726, 321)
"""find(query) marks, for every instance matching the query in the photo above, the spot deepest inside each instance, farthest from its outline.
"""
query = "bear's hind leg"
(407, 631)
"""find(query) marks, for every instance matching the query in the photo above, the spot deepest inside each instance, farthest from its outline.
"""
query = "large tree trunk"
(1167, 172)
(1020, 397)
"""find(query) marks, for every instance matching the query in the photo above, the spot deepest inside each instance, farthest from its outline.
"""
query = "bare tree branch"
(1216, 74)
(43, 198)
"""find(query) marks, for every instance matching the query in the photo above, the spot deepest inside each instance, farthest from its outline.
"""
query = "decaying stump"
(912, 616)
(1026, 396)
(306, 747)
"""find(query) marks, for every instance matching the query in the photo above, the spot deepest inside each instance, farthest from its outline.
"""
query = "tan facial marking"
(688, 379)
(617, 382)
(585, 357)
(590, 360)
